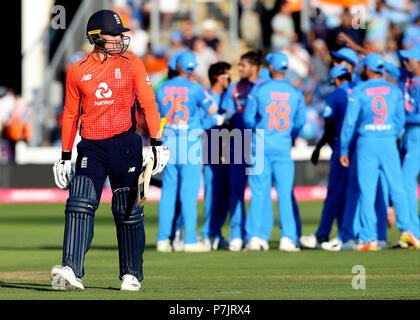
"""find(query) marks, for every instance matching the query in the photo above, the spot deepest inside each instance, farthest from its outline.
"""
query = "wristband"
(65, 155)
(155, 142)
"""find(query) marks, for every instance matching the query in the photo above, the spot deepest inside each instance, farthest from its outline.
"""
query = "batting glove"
(63, 173)
(159, 153)
(161, 156)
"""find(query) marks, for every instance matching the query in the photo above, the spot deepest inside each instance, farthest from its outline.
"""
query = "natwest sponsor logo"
(103, 91)
(104, 103)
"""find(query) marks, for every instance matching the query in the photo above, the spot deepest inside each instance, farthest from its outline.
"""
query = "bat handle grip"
(162, 125)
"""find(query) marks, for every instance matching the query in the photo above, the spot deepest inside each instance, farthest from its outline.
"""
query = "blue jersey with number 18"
(279, 109)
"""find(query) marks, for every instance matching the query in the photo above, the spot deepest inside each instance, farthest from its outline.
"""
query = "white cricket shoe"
(309, 241)
(197, 247)
(63, 278)
(236, 244)
(287, 244)
(178, 243)
(130, 283)
(332, 245)
(257, 244)
(164, 246)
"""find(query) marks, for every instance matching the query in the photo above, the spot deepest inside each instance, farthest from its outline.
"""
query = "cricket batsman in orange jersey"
(103, 90)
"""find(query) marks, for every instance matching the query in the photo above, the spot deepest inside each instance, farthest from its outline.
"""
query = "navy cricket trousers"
(119, 157)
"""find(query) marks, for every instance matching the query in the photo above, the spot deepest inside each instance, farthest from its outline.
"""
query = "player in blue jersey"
(176, 239)
(349, 227)
(334, 203)
(208, 121)
(375, 113)
(216, 173)
(216, 198)
(233, 104)
(182, 102)
(410, 147)
(256, 243)
(392, 74)
(276, 111)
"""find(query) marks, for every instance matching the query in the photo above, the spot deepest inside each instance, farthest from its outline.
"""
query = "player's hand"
(63, 173)
(344, 160)
(315, 156)
(161, 156)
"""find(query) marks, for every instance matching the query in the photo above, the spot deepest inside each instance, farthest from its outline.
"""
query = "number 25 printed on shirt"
(177, 103)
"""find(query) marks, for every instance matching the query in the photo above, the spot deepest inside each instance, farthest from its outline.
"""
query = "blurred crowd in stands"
(15, 123)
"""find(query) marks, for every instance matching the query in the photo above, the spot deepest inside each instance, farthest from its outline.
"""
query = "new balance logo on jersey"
(103, 91)
(86, 77)
(148, 80)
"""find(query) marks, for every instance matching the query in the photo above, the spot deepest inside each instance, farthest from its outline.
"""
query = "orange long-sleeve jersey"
(102, 94)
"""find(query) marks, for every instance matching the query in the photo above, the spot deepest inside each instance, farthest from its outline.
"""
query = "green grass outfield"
(31, 241)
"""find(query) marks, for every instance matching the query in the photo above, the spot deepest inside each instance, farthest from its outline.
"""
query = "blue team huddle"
(242, 133)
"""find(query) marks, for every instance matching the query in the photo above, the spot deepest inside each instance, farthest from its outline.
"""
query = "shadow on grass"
(26, 286)
(43, 287)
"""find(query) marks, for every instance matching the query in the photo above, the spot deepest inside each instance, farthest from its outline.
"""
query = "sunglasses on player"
(224, 76)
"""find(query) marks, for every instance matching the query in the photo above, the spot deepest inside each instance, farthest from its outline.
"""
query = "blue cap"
(338, 71)
(176, 36)
(375, 62)
(346, 54)
(414, 52)
(393, 70)
(173, 61)
(278, 61)
(187, 61)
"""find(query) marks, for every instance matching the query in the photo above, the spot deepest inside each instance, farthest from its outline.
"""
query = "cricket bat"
(146, 174)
